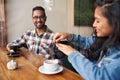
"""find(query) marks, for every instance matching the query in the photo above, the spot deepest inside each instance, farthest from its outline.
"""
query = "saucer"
(42, 70)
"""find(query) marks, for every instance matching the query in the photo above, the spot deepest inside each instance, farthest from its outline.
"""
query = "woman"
(99, 57)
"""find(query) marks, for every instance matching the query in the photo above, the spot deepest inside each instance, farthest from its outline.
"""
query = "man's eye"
(38, 17)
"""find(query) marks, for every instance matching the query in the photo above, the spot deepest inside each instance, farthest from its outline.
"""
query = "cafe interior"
(15, 19)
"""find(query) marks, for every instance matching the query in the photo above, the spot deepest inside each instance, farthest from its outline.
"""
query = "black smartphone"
(65, 42)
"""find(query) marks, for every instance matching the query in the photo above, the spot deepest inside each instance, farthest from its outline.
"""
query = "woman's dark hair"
(110, 10)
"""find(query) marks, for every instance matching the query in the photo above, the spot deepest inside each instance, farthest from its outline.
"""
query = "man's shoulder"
(30, 31)
(49, 30)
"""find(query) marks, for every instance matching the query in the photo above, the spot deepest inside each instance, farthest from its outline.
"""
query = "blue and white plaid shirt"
(37, 44)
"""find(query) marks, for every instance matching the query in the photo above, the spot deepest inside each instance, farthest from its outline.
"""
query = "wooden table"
(28, 65)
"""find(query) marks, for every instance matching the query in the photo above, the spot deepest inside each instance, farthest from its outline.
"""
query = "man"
(38, 40)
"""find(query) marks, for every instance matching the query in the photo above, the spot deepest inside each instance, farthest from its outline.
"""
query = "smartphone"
(65, 42)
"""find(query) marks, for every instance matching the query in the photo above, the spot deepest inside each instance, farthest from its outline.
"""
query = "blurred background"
(60, 17)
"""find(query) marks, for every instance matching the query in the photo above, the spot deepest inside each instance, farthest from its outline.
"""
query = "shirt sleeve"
(20, 40)
(82, 42)
(90, 70)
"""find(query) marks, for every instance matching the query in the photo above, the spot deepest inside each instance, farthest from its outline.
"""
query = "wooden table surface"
(28, 64)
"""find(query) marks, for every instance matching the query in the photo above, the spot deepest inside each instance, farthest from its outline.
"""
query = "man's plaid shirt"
(37, 44)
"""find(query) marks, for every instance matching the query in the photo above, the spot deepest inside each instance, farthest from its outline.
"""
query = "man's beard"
(40, 26)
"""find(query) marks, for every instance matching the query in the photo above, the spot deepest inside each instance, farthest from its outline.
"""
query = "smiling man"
(39, 39)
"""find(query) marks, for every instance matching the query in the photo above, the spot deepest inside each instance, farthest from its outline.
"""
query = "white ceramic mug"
(51, 65)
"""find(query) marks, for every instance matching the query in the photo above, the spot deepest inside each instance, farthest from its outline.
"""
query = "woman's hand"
(61, 36)
(66, 49)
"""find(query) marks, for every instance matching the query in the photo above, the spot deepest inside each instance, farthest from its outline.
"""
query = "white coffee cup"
(51, 65)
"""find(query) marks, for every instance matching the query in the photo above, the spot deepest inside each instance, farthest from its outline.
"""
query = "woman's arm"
(109, 70)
